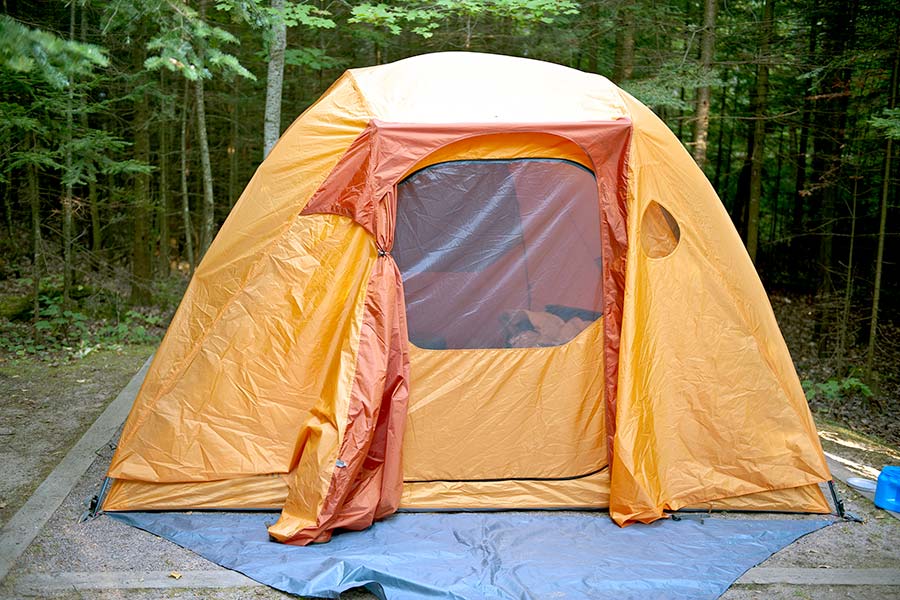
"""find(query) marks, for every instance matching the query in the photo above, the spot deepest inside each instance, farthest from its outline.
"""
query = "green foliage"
(17, 118)
(522, 11)
(391, 18)
(44, 76)
(134, 328)
(93, 152)
(185, 43)
(315, 59)
(260, 15)
(42, 55)
(40, 158)
(74, 332)
(836, 389)
(663, 89)
(253, 12)
(306, 15)
(423, 18)
(888, 123)
(188, 45)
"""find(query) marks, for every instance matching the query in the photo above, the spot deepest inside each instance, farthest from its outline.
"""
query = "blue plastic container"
(887, 492)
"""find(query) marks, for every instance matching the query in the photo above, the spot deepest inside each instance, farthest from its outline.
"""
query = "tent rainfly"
(465, 281)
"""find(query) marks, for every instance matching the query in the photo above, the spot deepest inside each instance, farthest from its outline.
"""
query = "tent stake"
(839, 505)
(94, 504)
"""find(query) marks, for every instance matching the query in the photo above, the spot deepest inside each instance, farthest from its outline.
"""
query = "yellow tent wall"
(275, 293)
(256, 373)
(707, 386)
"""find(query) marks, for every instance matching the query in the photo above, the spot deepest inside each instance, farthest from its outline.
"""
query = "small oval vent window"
(659, 231)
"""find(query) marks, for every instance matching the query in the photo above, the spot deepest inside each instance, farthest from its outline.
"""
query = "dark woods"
(129, 129)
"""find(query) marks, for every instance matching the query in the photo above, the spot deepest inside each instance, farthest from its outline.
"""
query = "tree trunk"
(163, 206)
(729, 156)
(800, 191)
(882, 224)
(34, 199)
(593, 15)
(759, 132)
(185, 199)
(7, 206)
(623, 59)
(776, 195)
(848, 286)
(274, 79)
(96, 228)
(723, 110)
(208, 212)
(707, 48)
(233, 191)
(838, 19)
(141, 274)
(68, 194)
(800, 245)
(93, 201)
(739, 207)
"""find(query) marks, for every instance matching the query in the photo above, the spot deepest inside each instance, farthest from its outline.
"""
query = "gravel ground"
(809, 592)
(101, 544)
(46, 407)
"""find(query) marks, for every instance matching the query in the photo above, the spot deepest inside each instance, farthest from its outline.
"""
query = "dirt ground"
(814, 350)
(46, 407)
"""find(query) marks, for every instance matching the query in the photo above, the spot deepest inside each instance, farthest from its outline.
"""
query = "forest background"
(128, 129)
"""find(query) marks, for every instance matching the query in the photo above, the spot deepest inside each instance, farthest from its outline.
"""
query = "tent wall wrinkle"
(227, 417)
(365, 481)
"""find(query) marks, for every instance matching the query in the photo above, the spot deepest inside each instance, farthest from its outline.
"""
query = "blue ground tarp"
(481, 556)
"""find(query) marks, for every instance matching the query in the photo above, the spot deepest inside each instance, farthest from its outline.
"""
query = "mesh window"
(499, 253)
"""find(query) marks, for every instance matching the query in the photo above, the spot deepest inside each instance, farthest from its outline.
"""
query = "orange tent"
(467, 281)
